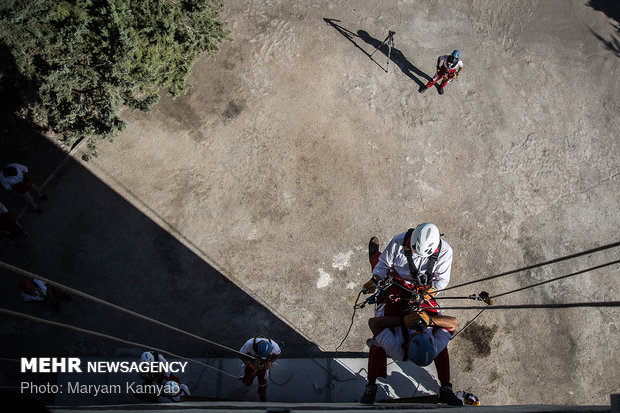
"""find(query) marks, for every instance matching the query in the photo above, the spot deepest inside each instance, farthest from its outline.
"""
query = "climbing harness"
(392, 288)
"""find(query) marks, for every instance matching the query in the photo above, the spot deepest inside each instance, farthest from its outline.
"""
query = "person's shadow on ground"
(396, 55)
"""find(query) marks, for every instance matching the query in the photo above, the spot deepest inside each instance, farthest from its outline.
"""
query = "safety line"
(557, 278)
(455, 298)
(120, 340)
(553, 261)
(537, 284)
(352, 319)
(469, 323)
(568, 305)
(533, 306)
(25, 273)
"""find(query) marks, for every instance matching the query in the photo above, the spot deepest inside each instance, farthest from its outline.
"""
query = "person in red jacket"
(448, 69)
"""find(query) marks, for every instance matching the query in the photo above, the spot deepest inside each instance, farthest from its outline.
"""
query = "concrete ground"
(245, 206)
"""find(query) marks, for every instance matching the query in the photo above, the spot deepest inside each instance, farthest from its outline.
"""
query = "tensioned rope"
(534, 306)
(519, 306)
(557, 278)
(470, 322)
(25, 273)
(120, 340)
(540, 283)
(529, 267)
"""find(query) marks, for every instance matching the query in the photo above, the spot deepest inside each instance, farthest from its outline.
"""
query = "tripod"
(389, 40)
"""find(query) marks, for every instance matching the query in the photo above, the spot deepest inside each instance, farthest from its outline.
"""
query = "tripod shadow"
(396, 55)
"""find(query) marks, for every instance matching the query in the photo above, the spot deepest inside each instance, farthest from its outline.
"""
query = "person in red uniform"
(259, 355)
(448, 69)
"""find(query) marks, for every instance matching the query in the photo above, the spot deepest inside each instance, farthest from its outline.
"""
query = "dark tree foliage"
(68, 66)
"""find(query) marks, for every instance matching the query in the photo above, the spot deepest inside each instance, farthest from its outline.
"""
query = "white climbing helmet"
(425, 240)
(147, 356)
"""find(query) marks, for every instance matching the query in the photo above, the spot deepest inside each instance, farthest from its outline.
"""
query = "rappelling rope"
(25, 273)
(468, 323)
(537, 284)
(534, 306)
(529, 306)
(553, 261)
(558, 278)
(120, 340)
(352, 319)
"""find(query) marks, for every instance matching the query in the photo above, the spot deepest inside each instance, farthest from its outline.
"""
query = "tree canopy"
(70, 65)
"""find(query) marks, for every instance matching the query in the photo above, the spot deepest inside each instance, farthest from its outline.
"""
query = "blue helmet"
(263, 349)
(454, 57)
(421, 350)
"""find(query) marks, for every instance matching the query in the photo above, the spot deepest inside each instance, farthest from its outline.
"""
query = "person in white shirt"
(418, 337)
(15, 177)
(424, 334)
(422, 259)
(448, 69)
(259, 355)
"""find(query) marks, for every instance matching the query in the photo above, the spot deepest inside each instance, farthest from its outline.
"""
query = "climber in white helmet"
(420, 258)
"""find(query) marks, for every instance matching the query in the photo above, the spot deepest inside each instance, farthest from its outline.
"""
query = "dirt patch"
(494, 376)
(232, 111)
(477, 339)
